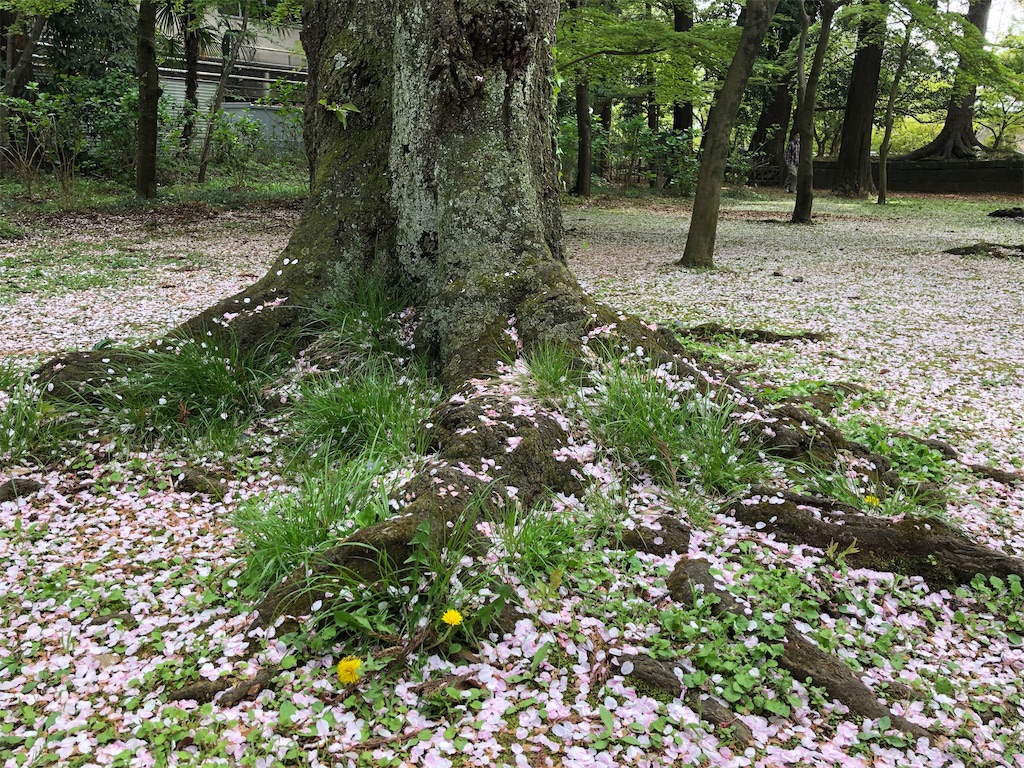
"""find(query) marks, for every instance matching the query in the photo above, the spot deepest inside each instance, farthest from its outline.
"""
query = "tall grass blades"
(678, 435)
(376, 409)
(361, 318)
(190, 390)
(21, 415)
(280, 533)
(554, 372)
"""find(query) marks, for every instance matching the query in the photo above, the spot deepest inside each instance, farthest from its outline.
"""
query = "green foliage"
(913, 459)
(860, 489)
(281, 532)
(642, 414)
(555, 373)
(22, 415)
(377, 408)
(445, 571)
(361, 318)
(535, 544)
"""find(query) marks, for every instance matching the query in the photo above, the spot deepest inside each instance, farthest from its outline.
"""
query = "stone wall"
(997, 177)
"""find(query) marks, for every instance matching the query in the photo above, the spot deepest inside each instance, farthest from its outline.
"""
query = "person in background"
(792, 160)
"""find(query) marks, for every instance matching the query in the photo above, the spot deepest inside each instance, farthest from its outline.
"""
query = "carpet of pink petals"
(111, 597)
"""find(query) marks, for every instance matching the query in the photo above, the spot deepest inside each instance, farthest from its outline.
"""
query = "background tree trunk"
(585, 135)
(682, 112)
(191, 39)
(768, 142)
(149, 100)
(890, 112)
(853, 166)
(700, 240)
(957, 138)
(804, 121)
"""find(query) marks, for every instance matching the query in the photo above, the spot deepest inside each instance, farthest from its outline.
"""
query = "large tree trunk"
(149, 100)
(700, 240)
(445, 178)
(445, 182)
(853, 166)
(957, 139)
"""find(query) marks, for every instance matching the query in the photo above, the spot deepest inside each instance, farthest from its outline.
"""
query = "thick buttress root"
(912, 546)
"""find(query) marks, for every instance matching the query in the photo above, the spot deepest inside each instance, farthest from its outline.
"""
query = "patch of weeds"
(445, 594)
(377, 407)
(645, 414)
(282, 532)
(360, 318)
(536, 544)
(859, 489)
(9, 231)
(911, 458)
(31, 427)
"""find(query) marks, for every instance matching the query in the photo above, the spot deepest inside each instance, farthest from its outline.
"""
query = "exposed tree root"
(801, 658)
(234, 691)
(707, 331)
(662, 676)
(924, 547)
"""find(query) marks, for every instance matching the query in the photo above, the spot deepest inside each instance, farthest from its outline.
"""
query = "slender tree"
(890, 113)
(585, 147)
(149, 100)
(700, 240)
(807, 99)
(233, 45)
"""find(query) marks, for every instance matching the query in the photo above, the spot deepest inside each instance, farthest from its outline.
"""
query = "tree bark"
(957, 139)
(700, 240)
(585, 137)
(18, 63)
(604, 157)
(804, 122)
(191, 43)
(149, 100)
(853, 166)
(682, 112)
(769, 139)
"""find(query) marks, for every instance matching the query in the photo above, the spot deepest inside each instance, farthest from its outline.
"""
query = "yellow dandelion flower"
(872, 500)
(348, 670)
(452, 617)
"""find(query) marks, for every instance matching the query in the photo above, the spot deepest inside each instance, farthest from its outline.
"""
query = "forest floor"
(118, 587)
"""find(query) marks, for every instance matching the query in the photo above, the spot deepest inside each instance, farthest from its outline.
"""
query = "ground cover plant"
(561, 630)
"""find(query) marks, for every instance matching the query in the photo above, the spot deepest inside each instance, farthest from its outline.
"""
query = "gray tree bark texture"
(700, 240)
